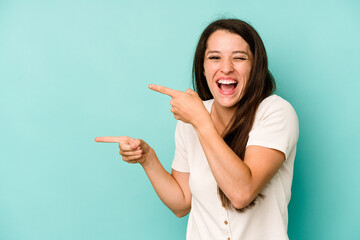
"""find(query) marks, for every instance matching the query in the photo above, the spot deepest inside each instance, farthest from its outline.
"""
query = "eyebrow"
(238, 51)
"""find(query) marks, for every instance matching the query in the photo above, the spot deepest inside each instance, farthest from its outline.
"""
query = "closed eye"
(214, 57)
(240, 58)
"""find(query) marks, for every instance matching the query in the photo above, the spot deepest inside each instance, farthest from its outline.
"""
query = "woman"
(235, 142)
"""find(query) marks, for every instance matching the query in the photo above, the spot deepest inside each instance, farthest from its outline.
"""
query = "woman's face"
(227, 67)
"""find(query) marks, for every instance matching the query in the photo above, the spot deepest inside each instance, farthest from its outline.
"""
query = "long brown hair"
(260, 85)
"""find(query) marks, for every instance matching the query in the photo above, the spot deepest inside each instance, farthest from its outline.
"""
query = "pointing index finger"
(164, 90)
(109, 139)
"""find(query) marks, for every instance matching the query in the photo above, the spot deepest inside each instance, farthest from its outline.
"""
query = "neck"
(221, 117)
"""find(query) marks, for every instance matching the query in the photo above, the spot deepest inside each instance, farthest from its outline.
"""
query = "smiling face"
(227, 67)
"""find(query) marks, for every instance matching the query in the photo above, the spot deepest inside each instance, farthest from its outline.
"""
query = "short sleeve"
(180, 162)
(276, 126)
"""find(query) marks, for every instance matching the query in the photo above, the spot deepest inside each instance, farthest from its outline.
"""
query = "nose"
(227, 66)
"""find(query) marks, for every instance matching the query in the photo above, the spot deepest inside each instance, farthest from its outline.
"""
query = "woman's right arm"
(173, 189)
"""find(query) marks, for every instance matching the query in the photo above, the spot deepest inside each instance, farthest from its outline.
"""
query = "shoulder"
(275, 126)
(275, 103)
(275, 106)
(275, 114)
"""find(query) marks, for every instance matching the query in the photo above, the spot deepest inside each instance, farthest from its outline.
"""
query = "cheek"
(207, 74)
(245, 70)
(248, 73)
(210, 85)
(209, 82)
(209, 68)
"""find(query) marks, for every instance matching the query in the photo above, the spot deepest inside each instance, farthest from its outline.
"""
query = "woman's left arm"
(241, 181)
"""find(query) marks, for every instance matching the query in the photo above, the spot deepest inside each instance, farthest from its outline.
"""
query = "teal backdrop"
(74, 70)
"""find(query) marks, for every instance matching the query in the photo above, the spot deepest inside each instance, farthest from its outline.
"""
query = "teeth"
(223, 81)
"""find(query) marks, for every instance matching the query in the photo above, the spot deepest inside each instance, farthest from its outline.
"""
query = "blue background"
(74, 70)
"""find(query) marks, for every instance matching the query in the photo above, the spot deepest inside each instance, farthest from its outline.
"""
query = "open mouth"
(226, 85)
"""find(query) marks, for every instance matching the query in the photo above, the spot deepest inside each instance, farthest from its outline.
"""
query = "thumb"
(134, 143)
(190, 91)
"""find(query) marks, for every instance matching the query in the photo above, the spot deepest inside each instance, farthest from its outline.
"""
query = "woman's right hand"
(132, 150)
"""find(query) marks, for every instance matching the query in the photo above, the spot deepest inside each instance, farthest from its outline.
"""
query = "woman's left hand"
(186, 106)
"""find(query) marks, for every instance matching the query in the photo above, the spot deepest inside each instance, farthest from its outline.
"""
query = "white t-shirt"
(275, 126)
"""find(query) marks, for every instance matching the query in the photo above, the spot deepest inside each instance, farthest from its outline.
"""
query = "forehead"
(223, 40)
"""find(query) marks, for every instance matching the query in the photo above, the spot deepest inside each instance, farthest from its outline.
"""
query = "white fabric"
(276, 127)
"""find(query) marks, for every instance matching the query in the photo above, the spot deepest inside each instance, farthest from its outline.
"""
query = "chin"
(227, 103)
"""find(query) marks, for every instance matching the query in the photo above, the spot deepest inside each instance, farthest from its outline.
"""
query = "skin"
(227, 56)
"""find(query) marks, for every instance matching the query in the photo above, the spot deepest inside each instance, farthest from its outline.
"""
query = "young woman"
(235, 142)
